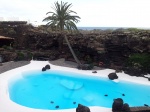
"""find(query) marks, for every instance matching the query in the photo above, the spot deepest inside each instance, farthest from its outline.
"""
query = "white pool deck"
(6, 105)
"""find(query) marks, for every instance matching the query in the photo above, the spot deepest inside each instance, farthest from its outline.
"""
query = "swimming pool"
(55, 89)
(9, 77)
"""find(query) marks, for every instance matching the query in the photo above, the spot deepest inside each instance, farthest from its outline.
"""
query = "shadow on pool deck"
(60, 62)
(11, 65)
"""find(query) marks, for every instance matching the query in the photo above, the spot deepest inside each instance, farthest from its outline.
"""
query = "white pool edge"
(6, 105)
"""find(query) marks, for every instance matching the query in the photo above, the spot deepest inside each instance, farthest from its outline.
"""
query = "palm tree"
(62, 19)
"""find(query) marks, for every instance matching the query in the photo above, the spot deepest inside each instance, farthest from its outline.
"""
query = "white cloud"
(132, 13)
(25, 9)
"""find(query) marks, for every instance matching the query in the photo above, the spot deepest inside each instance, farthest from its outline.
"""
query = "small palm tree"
(62, 19)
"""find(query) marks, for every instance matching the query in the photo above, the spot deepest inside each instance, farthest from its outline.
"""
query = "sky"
(93, 13)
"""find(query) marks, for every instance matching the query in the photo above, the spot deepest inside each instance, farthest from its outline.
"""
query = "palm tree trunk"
(60, 43)
(72, 52)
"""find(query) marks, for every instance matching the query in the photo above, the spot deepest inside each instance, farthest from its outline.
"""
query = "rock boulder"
(112, 76)
(82, 108)
(117, 105)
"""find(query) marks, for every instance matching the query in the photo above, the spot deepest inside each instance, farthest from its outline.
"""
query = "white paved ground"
(6, 105)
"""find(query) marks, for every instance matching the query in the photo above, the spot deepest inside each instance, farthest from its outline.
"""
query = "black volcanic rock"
(94, 72)
(126, 108)
(112, 76)
(43, 69)
(117, 105)
(47, 67)
(85, 67)
(82, 108)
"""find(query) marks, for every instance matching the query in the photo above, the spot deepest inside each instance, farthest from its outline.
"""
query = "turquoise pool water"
(53, 90)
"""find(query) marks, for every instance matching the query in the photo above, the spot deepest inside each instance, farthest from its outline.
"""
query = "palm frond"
(62, 17)
(49, 12)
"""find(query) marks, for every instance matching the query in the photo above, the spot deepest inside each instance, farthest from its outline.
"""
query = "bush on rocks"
(138, 64)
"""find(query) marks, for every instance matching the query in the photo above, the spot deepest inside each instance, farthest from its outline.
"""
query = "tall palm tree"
(62, 19)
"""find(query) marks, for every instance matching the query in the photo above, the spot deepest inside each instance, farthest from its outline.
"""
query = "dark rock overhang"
(6, 41)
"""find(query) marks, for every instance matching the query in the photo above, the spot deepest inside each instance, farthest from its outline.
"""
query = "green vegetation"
(29, 55)
(139, 61)
(11, 32)
(7, 47)
(133, 29)
(61, 18)
(20, 56)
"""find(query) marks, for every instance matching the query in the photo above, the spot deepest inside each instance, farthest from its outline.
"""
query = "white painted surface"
(6, 105)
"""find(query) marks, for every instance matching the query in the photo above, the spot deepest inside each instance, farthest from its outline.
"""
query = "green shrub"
(7, 47)
(20, 56)
(88, 59)
(29, 55)
(4, 46)
(11, 32)
(133, 29)
(139, 61)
